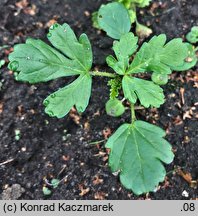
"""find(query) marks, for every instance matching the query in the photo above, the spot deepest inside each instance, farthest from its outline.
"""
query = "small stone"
(185, 193)
(12, 193)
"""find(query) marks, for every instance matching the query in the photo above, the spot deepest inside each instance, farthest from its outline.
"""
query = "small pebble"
(185, 193)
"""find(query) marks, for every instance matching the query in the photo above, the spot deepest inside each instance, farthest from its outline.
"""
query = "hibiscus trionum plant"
(137, 148)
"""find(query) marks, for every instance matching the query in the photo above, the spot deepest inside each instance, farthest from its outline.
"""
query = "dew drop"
(51, 27)
(116, 173)
(14, 65)
(46, 102)
(41, 60)
(28, 58)
(146, 64)
(49, 35)
(65, 30)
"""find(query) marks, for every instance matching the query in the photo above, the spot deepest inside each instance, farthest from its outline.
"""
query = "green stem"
(133, 117)
(105, 74)
(133, 7)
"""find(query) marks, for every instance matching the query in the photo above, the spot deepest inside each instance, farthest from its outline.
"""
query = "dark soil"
(55, 148)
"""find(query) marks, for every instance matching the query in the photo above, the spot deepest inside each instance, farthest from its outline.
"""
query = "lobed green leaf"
(123, 49)
(35, 61)
(147, 92)
(77, 93)
(38, 62)
(137, 152)
(63, 38)
(156, 56)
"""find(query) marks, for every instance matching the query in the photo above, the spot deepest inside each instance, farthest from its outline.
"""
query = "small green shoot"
(55, 183)
(17, 134)
(46, 191)
(192, 36)
(192, 59)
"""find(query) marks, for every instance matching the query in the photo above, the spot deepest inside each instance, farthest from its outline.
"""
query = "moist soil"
(50, 148)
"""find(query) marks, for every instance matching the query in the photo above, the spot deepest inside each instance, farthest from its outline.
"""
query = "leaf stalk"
(104, 74)
(133, 117)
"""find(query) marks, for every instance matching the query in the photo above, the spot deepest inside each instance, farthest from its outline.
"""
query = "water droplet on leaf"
(49, 35)
(46, 102)
(28, 58)
(14, 65)
(51, 27)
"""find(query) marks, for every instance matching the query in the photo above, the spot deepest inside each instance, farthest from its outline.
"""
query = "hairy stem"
(133, 117)
(105, 74)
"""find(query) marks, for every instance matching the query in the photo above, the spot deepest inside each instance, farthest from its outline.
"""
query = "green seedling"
(17, 135)
(137, 148)
(46, 191)
(192, 58)
(53, 184)
(116, 18)
(192, 36)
